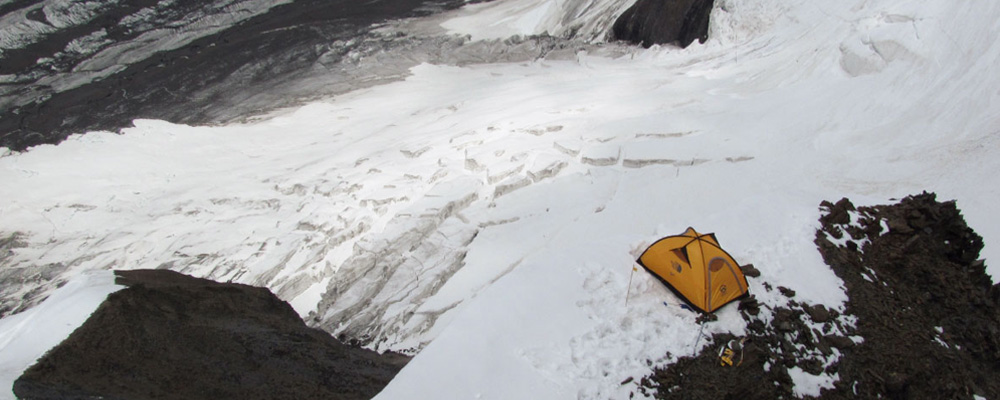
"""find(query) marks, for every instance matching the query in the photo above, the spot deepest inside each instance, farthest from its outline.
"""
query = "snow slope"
(25, 337)
(486, 217)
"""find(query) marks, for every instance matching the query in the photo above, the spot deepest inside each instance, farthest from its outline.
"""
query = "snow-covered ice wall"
(588, 20)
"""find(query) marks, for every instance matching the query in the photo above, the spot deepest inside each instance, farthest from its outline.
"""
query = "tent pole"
(695, 349)
(629, 291)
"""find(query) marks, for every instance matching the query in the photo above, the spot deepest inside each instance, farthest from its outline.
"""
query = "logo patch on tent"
(716, 264)
(723, 289)
(678, 267)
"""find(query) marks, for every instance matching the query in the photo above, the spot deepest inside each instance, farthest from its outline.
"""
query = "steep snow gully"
(480, 206)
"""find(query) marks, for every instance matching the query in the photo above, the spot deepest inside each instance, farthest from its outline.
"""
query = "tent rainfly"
(696, 269)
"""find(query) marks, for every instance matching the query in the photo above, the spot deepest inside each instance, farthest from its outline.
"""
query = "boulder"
(650, 22)
(750, 271)
(818, 313)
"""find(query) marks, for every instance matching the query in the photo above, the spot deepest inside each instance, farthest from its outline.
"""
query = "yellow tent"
(697, 269)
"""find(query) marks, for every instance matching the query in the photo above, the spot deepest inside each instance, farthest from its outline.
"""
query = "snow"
(486, 217)
(855, 222)
(586, 19)
(807, 384)
(25, 337)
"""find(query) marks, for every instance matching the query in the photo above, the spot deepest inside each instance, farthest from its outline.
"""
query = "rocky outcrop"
(171, 336)
(922, 320)
(650, 22)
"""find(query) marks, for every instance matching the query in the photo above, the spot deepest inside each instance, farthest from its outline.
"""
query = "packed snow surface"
(486, 217)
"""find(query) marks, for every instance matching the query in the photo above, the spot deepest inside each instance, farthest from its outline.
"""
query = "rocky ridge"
(922, 322)
(171, 336)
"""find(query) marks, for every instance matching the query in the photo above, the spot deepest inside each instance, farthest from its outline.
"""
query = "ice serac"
(172, 336)
(650, 22)
(585, 20)
(377, 293)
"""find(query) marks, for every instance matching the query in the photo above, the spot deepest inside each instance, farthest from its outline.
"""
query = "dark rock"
(918, 221)
(839, 342)
(650, 22)
(818, 313)
(852, 246)
(896, 383)
(706, 318)
(171, 336)
(752, 353)
(786, 291)
(750, 305)
(899, 226)
(837, 214)
(750, 271)
(783, 315)
(824, 348)
(811, 366)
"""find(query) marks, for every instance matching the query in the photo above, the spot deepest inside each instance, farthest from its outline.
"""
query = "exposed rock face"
(928, 312)
(171, 336)
(650, 22)
(211, 79)
(926, 316)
